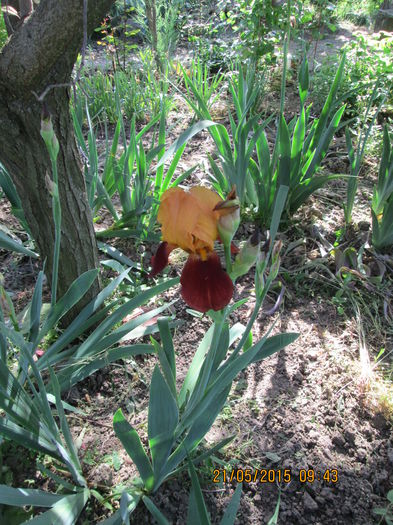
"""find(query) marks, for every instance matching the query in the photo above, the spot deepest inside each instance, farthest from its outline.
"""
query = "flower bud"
(48, 133)
(261, 259)
(261, 266)
(247, 256)
(229, 220)
(50, 185)
(275, 266)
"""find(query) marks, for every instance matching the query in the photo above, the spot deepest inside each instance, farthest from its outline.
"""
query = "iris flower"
(189, 221)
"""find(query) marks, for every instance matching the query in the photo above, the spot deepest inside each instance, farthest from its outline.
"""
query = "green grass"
(360, 12)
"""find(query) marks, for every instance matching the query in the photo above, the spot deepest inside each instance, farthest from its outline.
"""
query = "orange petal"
(188, 219)
(177, 223)
(205, 285)
(206, 198)
(160, 259)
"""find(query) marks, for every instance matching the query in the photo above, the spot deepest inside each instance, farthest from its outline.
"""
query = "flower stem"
(57, 223)
(228, 259)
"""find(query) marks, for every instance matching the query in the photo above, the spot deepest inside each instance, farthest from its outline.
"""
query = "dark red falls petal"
(205, 285)
(160, 259)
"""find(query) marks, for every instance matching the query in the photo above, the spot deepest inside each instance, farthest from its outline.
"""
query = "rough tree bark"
(41, 52)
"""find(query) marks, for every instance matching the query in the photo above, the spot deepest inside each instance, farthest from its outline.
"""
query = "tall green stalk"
(285, 64)
(57, 222)
(287, 38)
(228, 258)
(356, 157)
(52, 144)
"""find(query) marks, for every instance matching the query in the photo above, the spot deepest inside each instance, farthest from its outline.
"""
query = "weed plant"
(359, 12)
(244, 158)
(258, 26)
(368, 61)
(209, 86)
(246, 30)
(386, 513)
(130, 174)
(317, 16)
(382, 202)
(159, 24)
(135, 91)
(356, 159)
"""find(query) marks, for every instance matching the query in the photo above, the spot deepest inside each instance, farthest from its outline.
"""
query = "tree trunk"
(151, 15)
(40, 53)
(384, 18)
(23, 153)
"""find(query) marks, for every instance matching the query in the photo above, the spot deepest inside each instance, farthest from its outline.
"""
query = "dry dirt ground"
(315, 406)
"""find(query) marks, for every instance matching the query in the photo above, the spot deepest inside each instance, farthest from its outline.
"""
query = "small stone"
(330, 421)
(382, 475)
(379, 422)
(361, 454)
(338, 440)
(390, 455)
(349, 437)
(298, 377)
(309, 503)
(73, 394)
(252, 487)
(368, 433)
(364, 226)
(327, 493)
(312, 438)
(102, 475)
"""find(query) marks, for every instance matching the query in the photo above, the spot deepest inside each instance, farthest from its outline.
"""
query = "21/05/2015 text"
(274, 476)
